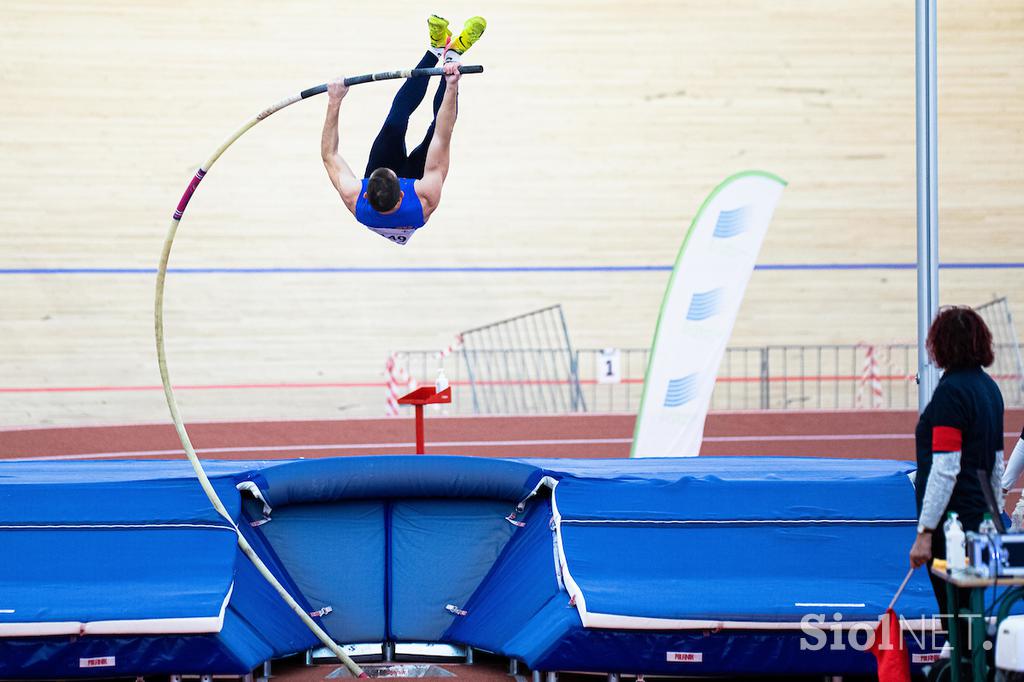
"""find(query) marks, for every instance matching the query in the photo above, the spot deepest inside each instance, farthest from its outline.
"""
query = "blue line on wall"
(483, 269)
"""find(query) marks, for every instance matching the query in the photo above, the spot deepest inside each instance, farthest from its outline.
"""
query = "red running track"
(857, 434)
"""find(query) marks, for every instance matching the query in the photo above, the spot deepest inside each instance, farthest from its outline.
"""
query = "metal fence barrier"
(820, 377)
(522, 365)
(774, 378)
(526, 365)
(1008, 362)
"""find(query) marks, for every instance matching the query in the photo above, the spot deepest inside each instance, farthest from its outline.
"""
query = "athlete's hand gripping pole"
(390, 75)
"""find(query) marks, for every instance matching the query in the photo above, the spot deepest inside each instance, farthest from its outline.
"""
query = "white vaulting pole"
(179, 425)
(927, 197)
(158, 309)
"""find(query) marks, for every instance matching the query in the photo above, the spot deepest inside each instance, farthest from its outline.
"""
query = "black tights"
(388, 149)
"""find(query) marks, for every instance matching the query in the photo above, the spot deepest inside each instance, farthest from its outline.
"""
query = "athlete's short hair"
(382, 190)
(960, 339)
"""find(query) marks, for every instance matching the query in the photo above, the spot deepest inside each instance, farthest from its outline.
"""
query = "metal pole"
(420, 440)
(927, 198)
(765, 386)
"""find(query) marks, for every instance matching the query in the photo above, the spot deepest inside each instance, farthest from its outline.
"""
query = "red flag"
(888, 648)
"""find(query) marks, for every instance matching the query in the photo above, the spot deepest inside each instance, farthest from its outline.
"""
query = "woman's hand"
(921, 552)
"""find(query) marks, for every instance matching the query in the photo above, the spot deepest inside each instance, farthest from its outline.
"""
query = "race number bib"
(399, 235)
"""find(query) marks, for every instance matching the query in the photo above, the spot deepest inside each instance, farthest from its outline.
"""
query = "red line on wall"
(381, 384)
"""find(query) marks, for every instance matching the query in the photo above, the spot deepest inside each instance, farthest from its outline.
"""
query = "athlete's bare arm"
(344, 180)
(436, 169)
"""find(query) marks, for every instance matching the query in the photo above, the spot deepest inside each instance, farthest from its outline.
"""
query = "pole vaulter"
(161, 276)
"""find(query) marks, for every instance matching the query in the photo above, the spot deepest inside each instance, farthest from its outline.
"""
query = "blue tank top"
(398, 226)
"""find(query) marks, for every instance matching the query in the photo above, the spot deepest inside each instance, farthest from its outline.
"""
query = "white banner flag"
(698, 312)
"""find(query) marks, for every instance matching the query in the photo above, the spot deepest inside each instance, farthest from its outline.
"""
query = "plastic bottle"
(988, 526)
(956, 553)
(989, 530)
(442, 380)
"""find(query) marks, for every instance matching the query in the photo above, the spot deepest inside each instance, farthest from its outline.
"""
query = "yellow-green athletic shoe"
(471, 33)
(439, 31)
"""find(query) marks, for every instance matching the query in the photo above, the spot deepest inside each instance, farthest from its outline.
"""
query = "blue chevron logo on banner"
(705, 304)
(732, 223)
(681, 391)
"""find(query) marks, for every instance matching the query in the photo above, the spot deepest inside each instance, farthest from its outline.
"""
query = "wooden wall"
(596, 132)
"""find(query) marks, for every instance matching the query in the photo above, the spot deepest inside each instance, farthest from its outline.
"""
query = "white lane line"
(820, 437)
(286, 422)
(823, 438)
(830, 605)
(809, 437)
(730, 522)
(329, 446)
(75, 526)
(6, 610)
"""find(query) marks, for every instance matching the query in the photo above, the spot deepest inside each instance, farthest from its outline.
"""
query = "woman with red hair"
(959, 436)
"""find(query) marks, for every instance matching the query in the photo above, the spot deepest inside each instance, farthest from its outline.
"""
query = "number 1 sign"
(608, 366)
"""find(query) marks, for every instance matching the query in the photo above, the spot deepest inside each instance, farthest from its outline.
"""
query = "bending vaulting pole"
(172, 403)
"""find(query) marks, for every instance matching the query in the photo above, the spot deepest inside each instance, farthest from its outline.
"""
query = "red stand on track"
(426, 395)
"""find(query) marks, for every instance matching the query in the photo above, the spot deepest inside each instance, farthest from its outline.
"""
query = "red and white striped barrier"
(870, 379)
(454, 346)
(398, 382)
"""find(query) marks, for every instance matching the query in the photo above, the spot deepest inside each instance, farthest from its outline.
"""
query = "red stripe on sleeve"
(946, 439)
